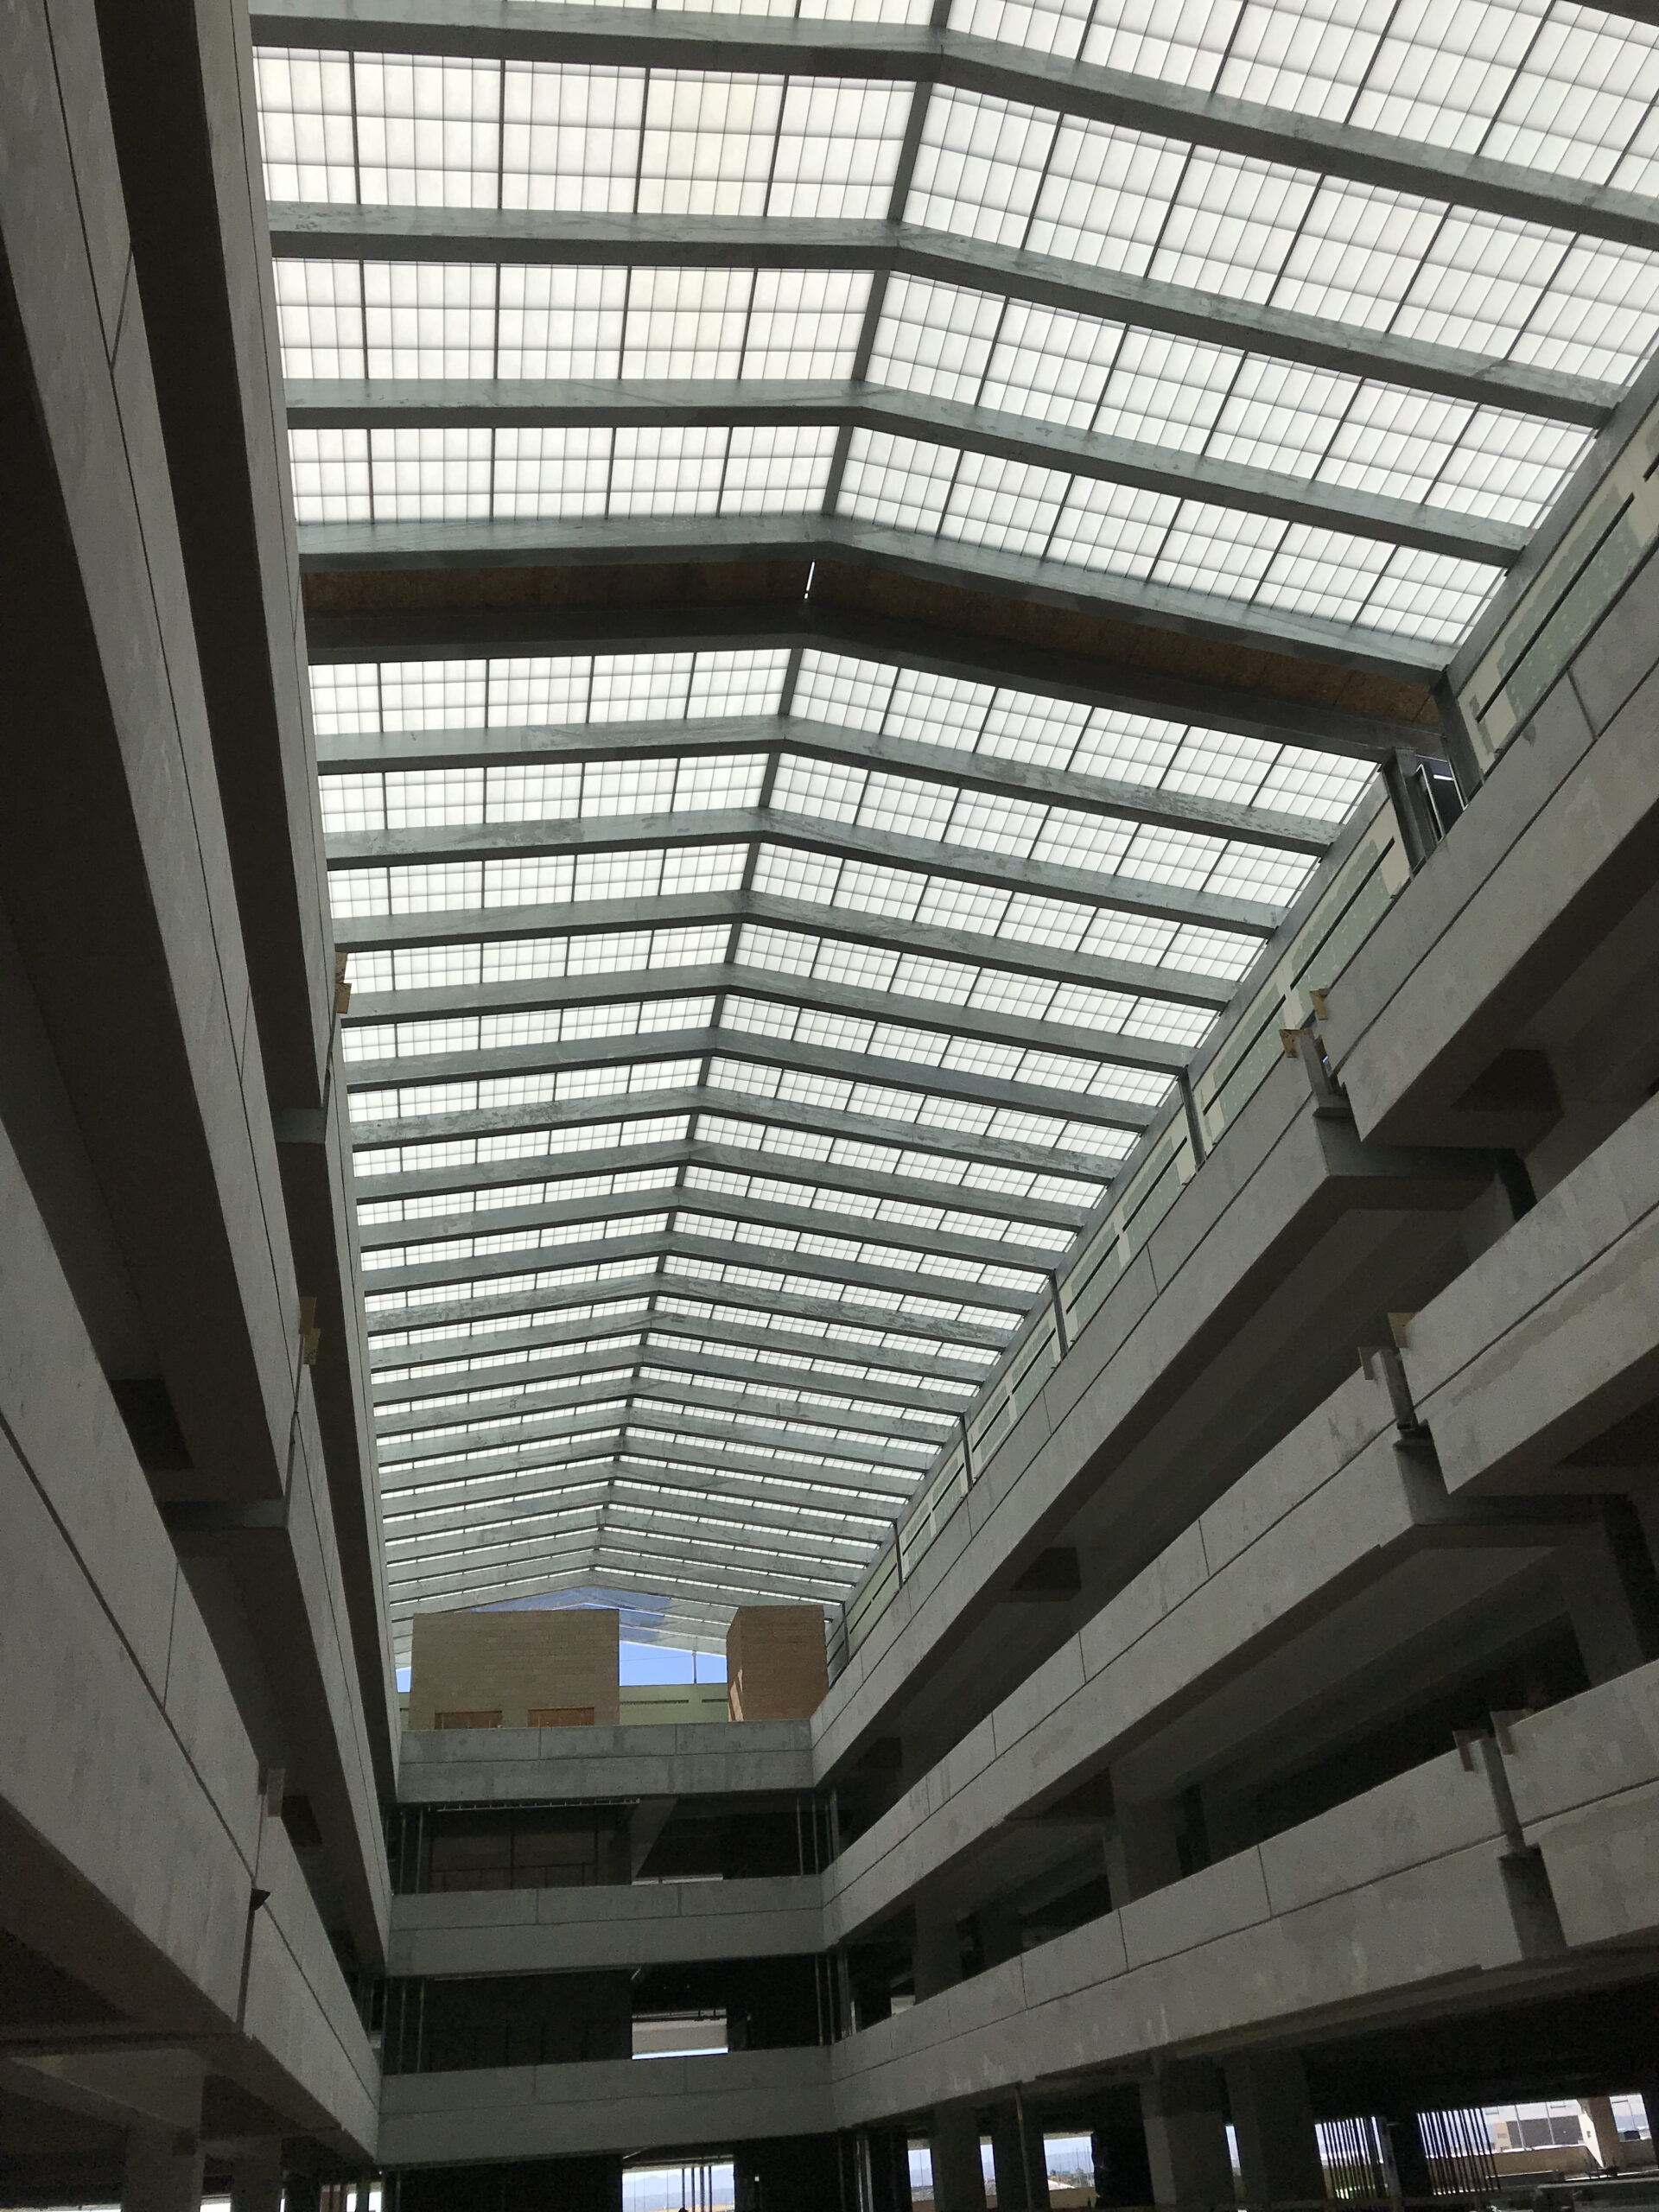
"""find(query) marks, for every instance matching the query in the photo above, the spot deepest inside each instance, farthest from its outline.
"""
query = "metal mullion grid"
(904, 173)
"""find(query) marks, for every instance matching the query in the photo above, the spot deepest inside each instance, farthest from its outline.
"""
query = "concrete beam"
(486, 236)
(673, 1244)
(706, 540)
(917, 54)
(815, 1220)
(654, 1283)
(415, 404)
(745, 1048)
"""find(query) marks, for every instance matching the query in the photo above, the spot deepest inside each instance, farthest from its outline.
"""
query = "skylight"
(741, 1028)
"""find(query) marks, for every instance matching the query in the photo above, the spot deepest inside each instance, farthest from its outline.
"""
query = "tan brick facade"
(522, 1666)
(775, 1665)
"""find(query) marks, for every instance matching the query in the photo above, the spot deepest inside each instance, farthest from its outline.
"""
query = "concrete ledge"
(1550, 856)
(484, 1765)
(1144, 1421)
(1576, 1279)
(650, 1924)
(541, 2112)
(1333, 1550)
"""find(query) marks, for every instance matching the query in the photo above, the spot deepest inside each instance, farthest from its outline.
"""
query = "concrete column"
(885, 2171)
(1122, 2172)
(1142, 1851)
(1186, 2136)
(1409, 2179)
(164, 2170)
(1278, 2149)
(1017, 2158)
(1599, 2113)
(936, 1953)
(953, 2130)
(1612, 1590)
(257, 2177)
(958, 2174)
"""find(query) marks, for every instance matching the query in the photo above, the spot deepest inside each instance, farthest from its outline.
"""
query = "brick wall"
(515, 1664)
(775, 1666)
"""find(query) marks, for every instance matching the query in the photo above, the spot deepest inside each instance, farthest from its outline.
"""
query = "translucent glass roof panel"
(721, 1177)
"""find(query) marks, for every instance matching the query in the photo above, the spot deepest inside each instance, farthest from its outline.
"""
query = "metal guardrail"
(1355, 888)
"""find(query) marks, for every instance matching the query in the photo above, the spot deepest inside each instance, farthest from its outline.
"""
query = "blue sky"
(650, 1662)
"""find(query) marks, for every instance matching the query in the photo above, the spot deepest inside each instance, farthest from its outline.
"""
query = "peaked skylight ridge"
(741, 1033)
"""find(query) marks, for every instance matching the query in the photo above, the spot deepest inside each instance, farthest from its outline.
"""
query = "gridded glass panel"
(837, 151)
(805, 323)
(979, 167)
(897, 482)
(570, 136)
(1009, 504)
(934, 338)
(777, 471)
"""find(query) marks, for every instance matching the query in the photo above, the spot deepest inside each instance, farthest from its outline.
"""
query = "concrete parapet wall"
(1553, 1335)
(606, 2104)
(133, 1824)
(650, 1924)
(1222, 1268)
(1559, 843)
(447, 1765)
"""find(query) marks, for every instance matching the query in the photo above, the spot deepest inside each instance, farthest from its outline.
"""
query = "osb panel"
(876, 592)
(1062, 629)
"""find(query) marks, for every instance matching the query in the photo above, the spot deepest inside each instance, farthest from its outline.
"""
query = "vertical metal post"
(1061, 1336)
(1194, 1125)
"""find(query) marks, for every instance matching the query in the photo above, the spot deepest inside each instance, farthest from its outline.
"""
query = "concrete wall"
(474, 1765)
(516, 1664)
(134, 1828)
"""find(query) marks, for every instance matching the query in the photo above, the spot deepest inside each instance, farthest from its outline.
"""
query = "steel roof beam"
(719, 1329)
(618, 833)
(695, 1369)
(693, 739)
(876, 1481)
(418, 403)
(880, 1497)
(683, 910)
(752, 1049)
(847, 1314)
(811, 1220)
(495, 1266)
(485, 236)
(620, 38)
(702, 540)
(912, 1136)
(428, 632)
(441, 1445)
(775, 986)
(682, 1383)
(763, 1497)
(524, 1512)
(774, 1167)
